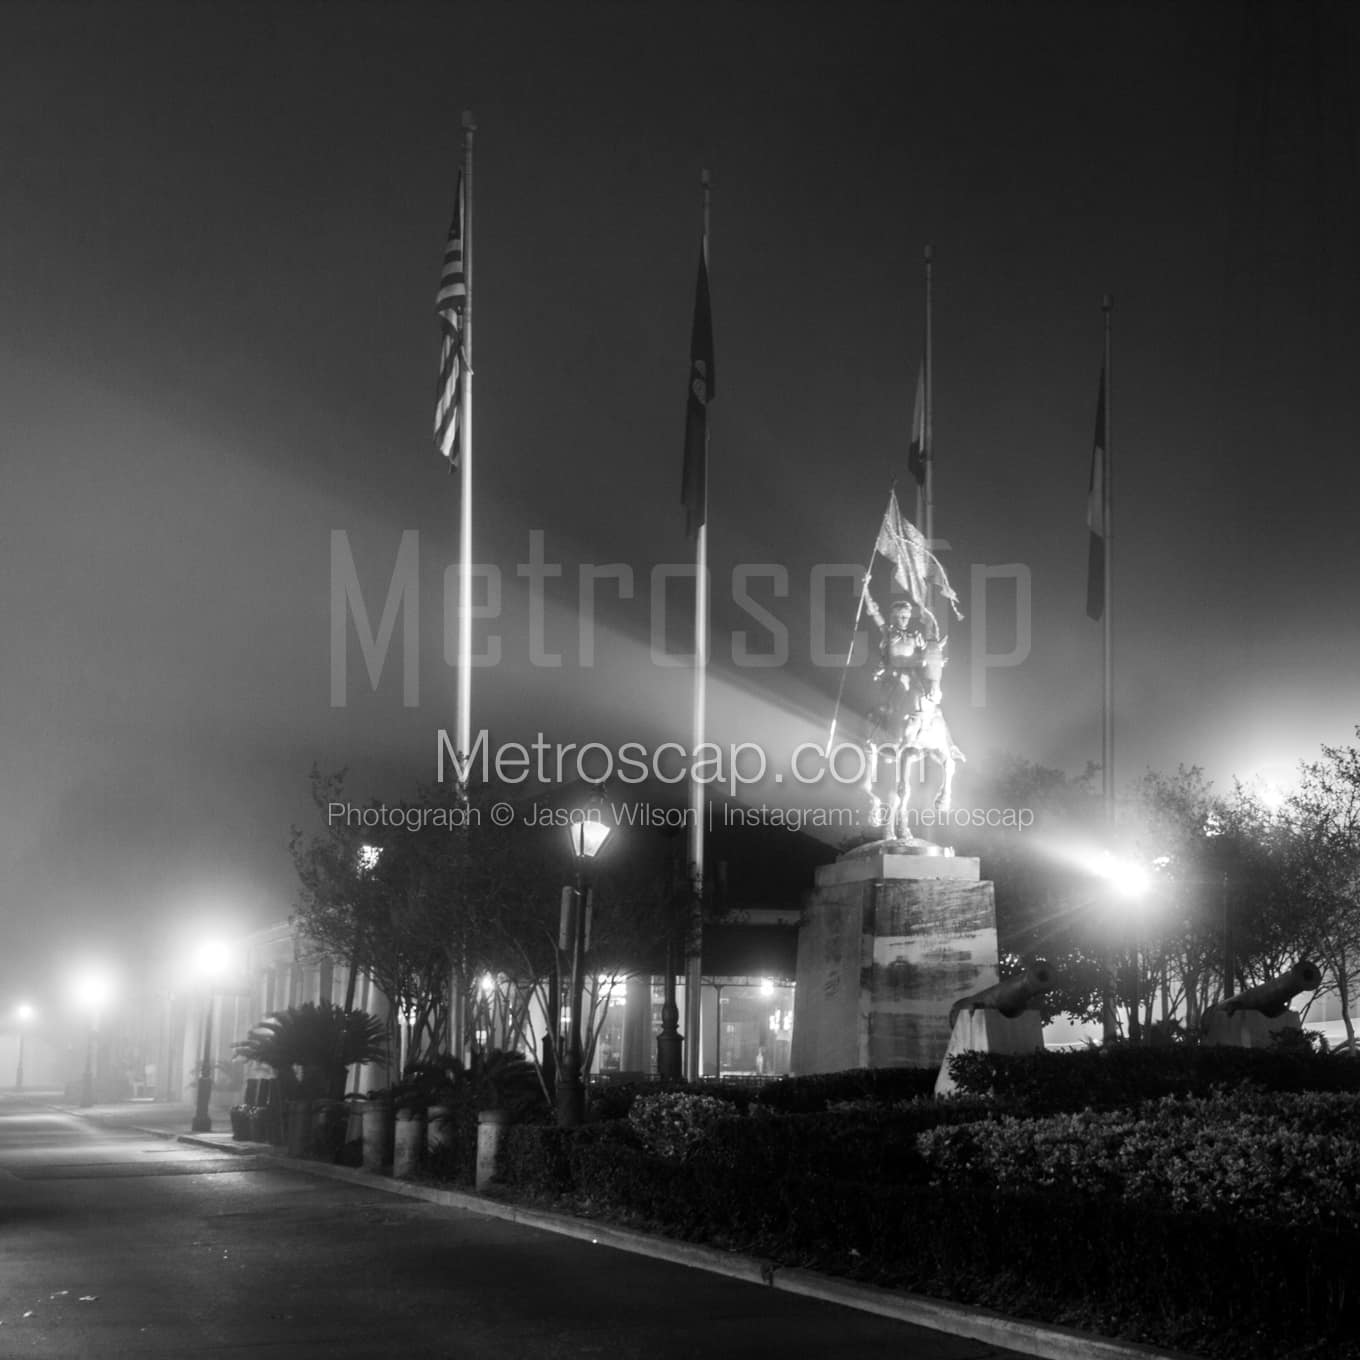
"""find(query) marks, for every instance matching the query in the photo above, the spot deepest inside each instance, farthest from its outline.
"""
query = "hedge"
(1125, 1075)
(1228, 1225)
(1224, 1286)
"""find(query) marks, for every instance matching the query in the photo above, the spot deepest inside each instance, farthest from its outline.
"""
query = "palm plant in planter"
(309, 1047)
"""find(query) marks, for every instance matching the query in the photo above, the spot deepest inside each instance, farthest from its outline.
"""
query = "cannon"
(1011, 996)
(1272, 998)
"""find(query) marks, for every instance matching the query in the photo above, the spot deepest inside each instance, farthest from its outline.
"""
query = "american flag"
(449, 306)
(1095, 515)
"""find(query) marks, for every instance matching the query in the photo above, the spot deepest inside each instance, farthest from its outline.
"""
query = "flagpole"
(850, 651)
(463, 703)
(1106, 495)
(928, 431)
(694, 950)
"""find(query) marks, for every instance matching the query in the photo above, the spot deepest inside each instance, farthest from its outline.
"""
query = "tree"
(309, 1047)
(1324, 814)
(451, 899)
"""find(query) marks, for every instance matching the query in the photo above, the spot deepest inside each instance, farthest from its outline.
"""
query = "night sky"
(221, 238)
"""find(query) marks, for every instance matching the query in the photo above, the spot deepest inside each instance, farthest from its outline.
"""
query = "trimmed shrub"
(879, 1085)
(1124, 1075)
(615, 1100)
(676, 1124)
(1274, 1158)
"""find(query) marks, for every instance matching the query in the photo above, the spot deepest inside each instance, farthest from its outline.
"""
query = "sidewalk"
(164, 1120)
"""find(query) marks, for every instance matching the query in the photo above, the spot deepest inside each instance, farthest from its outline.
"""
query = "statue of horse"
(909, 728)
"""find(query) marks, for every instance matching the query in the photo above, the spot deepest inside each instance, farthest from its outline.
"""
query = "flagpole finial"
(469, 122)
(1106, 303)
(703, 178)
(930, 253)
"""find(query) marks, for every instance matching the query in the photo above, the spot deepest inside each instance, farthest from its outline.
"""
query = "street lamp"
(212, 962)
(23, 1013)
(92, 990)
(588, 832)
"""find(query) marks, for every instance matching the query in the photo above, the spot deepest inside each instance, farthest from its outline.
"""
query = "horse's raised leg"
(942, 798)
(901, 829)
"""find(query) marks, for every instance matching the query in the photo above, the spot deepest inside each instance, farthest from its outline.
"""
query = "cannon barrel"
(1010, 996)
(1272, 998)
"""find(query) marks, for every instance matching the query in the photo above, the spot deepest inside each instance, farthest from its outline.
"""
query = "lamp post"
(23, 1013)
(588, 833)
(212, 963)
(92, 990)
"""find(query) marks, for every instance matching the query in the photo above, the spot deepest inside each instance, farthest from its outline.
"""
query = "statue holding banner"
(907, 726)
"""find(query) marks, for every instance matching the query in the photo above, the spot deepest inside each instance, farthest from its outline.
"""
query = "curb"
(1045, 1340)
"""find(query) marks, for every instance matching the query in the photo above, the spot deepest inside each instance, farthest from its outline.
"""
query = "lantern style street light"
(211, 965)
(588, 832)
(23, 1013)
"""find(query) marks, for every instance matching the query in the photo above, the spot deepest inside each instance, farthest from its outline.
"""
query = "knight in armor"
(908, 674)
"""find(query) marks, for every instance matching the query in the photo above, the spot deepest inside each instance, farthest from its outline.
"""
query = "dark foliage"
(851, 1201)
(319, 1040)
(804, 1095)
(1121, 1075)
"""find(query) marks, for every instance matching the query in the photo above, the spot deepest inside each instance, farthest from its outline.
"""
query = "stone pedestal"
(985, 1031)
(890, 939)
(1248, 1029)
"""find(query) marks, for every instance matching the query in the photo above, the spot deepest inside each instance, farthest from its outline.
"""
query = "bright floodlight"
(369, 855)
(1127, 877)
(23, 1012)
(488, 984)
(767, 986)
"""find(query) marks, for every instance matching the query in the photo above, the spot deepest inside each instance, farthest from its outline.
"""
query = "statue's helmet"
(901, 602)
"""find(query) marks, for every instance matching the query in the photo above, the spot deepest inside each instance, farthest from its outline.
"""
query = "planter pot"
(491, 1126)
(240, 1123)
(378, 1135)
(297, 1126)
(438, 1129)
(329, 1121)
(258, 1130)
(408, 1143)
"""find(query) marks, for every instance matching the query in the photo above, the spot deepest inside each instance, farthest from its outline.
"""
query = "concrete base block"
(491, 1127)
(984, 1031)
(408, 1144)
(887, 944)
(1248, 1029)
(379, 1134)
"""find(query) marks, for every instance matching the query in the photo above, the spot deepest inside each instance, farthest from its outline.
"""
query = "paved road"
(115, 1243)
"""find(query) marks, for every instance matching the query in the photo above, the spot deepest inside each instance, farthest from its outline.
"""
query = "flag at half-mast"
(449, 305)
(694, 483)
(916, 452)
(915, 567)
(1095, 515)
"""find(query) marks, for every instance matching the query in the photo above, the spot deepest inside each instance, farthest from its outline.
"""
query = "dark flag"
(916, 453)
(694, 484)
(1095, 515)
(449, 304)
